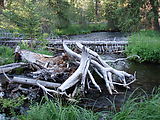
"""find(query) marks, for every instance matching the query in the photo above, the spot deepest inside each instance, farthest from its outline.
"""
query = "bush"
(146, 44)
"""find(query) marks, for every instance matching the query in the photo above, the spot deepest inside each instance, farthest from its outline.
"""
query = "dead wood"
(29, 81)
(9, 67)
(49, 68)
(103, 68)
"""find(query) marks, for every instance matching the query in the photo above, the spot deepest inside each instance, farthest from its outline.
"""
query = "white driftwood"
(9, 67)
(103, 68)
(79, 74)
(34, 82)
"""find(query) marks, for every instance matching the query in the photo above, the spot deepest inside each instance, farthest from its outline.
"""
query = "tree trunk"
(1, 3)
(155, 7)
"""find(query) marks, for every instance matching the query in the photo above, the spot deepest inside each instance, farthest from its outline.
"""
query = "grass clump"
(55, 111)
(146, 44)
(6, 55)
(140, 108)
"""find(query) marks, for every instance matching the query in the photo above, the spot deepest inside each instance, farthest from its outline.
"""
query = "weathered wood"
(34, 82)
(41, 59)
(79, 74)
(9, 67)
(103, 68)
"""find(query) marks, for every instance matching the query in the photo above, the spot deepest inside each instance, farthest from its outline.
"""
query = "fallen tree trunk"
(45, 61)
(9, 67)
(34, 82)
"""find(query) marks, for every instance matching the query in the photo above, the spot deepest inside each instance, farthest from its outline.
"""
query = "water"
(148, 75)
(100, 36)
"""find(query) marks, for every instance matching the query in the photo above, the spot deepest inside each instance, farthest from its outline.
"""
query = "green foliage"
(55, 111)
(146, 44)
(24, 15)
(9, 106)
(6, 55)
(75, 29)
(55, 12)
(111, 14)
(140, 108)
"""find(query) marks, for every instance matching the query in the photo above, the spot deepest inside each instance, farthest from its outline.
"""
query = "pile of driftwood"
(68, 74)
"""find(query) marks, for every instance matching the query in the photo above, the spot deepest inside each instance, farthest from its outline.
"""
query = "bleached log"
(102, 67)
(9, 67)
(34, 82)
(77, 75)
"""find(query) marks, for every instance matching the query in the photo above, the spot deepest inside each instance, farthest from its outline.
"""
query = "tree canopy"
(43, 16)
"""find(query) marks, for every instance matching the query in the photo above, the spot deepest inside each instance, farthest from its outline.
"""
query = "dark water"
(148, 75)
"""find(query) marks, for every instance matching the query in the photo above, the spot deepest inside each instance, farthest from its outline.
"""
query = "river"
(148, 75)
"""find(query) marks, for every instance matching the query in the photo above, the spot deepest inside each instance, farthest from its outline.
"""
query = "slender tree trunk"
(1, 3)
(1, 6)
(155, 6)
(96, 8)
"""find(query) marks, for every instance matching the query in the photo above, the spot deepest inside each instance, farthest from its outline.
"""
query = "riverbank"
(137, 107)
(77, 29)
(146, 44)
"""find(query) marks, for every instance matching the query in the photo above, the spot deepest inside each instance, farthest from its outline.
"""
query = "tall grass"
(55, 111)
(6, 55)
(140, 108)
(146, 44)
